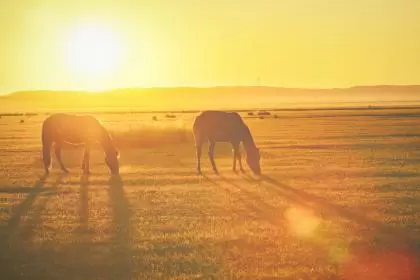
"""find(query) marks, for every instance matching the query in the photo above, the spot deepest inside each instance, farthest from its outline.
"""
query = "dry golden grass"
(340, 199)
(153, 134)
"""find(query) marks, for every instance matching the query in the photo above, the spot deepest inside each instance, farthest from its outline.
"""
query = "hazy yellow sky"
(291, 43)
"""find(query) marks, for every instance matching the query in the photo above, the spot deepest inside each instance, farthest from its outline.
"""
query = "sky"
(288, 43)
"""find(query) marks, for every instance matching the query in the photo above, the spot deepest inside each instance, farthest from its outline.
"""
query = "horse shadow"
(121, 226)
(15, 235)
(385, 236)
(84, 202)
(254, 206)
(21, 259)
(23, 209)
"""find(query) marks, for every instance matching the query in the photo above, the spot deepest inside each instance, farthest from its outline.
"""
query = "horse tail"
(197, 129)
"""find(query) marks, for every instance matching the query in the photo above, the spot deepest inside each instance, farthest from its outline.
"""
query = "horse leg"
(46, 156)
(235, 155)
(85, 163)
(239, 157)
(47, 142)
(198, 146)
(211, 156)
(58, 156)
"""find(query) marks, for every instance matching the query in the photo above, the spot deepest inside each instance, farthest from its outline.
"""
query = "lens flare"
(338, 251)
(302, 222)
(381, 265)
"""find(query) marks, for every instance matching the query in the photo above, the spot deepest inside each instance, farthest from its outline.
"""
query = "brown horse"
(218, 126)
(76, 130)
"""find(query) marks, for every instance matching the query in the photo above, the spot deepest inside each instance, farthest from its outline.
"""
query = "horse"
(220, 126)
(76, 130)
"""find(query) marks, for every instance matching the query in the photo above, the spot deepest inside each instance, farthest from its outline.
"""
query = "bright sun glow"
(93, 51)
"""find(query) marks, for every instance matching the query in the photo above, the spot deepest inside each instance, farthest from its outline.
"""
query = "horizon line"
(206, 87)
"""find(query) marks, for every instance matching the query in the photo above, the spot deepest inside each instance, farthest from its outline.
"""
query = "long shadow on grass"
(46, 259)
(323, 206)
(230, 194)
(255, 207)
(84, 204)
(34, 220)
(16, 263)
(23, 208)
(121, 225)
(252, 202)
(385, 235)
(146, 180)
(388, 253)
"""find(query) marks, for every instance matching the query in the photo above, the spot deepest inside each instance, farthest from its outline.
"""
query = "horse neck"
(106, 142)
(248, 141)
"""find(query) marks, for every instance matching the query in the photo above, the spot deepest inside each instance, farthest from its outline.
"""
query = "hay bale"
(264, 113)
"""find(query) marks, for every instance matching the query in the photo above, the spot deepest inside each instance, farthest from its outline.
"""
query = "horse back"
(75, 129)
(219, 126)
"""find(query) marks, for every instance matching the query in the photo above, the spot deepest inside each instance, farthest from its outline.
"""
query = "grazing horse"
(218, 126)
(76, 130)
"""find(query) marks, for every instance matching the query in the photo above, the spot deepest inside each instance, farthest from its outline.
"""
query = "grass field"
(339, 199)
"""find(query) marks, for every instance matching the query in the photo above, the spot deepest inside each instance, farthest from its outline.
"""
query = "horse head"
(253, 160)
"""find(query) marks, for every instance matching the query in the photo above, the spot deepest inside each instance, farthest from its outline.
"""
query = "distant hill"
(190, 98)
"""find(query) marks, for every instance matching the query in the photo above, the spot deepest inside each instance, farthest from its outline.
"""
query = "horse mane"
(247, 139)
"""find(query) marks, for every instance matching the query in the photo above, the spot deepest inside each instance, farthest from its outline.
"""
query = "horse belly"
(74, 135)
(74, 140)
(221, 136)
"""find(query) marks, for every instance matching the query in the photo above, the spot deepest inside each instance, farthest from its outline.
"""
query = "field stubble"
(339, 199)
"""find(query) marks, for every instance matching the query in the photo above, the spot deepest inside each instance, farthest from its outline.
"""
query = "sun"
(93, 51)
